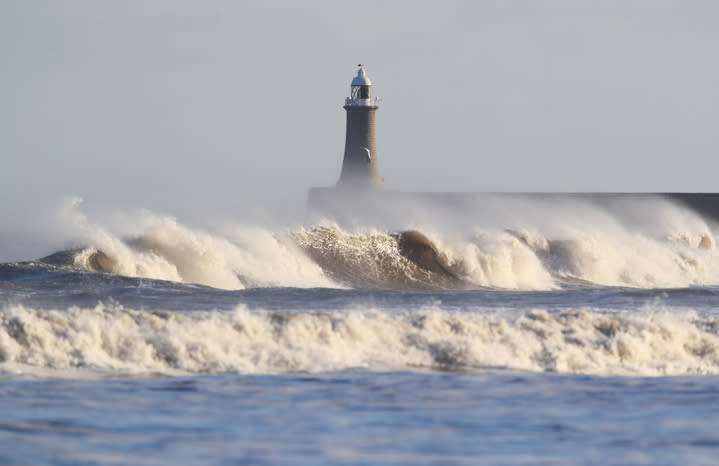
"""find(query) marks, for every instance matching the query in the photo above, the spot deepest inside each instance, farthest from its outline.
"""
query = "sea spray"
(159, 247)
(507, 244)
(109, 339)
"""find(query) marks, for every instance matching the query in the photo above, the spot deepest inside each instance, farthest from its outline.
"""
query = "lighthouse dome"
(361, 79)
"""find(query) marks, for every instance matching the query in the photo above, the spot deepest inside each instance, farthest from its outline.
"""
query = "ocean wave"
(245, 257)
(541, 246)
(109, 340)
(328, 256)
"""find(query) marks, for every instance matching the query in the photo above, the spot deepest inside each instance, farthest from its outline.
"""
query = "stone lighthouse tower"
(359, 166)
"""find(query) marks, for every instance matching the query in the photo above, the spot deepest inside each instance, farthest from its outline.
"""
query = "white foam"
(525, 243)
(517, 244)
(161, 248)
(115, 340)
(496, 259)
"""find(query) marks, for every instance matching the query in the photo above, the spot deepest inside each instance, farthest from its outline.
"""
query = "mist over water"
(502, 242)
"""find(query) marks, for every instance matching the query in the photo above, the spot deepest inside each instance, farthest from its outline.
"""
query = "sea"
(514, 331)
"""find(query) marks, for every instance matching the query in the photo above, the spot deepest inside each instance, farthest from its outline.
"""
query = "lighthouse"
(360, 169)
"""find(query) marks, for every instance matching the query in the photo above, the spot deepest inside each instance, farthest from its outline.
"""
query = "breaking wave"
(244, 257)
(328, 256)
(108, 340)
(540, 246)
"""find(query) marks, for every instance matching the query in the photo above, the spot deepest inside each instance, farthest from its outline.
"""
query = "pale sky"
(188, 107)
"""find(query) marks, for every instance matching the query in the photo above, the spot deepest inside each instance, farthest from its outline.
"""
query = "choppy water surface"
(360, 416)
(591, 338)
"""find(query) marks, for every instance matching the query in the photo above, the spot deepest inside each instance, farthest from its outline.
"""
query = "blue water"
(360, 417)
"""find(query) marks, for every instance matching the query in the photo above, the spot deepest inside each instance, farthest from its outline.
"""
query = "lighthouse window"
(360, 92)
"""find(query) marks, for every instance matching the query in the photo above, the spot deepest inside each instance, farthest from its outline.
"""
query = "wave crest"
(540, 249)
(110, 340)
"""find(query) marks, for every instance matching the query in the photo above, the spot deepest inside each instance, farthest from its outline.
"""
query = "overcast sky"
(187, 107)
